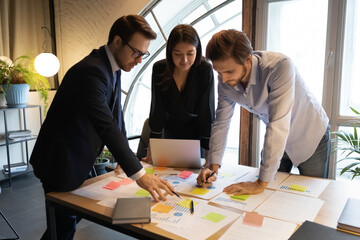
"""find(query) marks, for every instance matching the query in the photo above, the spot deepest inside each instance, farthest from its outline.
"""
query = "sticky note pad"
(240, 197)
(253, 219)
(142, 193)
(162, 208)
(150, 170)
(200, 191)
(112, 185)
(214, 217)
(125, 181)
(298, 188)
(186, 203)
(160, 168)
(184, 174)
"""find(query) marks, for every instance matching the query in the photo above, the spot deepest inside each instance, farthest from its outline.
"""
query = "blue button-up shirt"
(295, 121)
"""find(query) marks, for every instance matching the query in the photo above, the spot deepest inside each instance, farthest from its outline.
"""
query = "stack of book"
(17, 135)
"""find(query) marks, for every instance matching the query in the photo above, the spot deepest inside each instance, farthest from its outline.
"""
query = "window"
(136, 84)
(322, 38)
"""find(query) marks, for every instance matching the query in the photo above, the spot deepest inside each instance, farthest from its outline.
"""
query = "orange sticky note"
(253, 219)
(184, 174)
(112, 185)
(160, 168)
(125, 181)
(162, 208)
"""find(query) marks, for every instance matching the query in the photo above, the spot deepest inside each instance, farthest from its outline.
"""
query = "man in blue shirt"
(269, 85)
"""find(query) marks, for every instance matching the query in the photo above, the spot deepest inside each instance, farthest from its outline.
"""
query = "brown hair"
(229, 43)
(126, 26)
(180, 33)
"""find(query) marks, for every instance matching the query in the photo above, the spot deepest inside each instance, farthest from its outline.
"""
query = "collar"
(114, 66)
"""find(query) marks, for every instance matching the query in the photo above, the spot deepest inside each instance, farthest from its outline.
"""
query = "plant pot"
(100, 164)
(16, 95)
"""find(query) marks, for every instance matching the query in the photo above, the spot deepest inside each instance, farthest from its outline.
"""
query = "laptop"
(176, 153)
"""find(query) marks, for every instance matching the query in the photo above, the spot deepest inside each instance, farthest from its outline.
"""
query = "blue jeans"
(317, 165)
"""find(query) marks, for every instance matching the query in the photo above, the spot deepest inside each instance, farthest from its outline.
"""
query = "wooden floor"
(23, 205)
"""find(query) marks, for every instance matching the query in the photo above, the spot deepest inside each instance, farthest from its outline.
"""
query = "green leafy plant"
(103, 157)
(22, 71)
(349, 144)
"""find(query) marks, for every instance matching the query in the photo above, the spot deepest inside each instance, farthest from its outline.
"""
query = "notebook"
(175, 153)
(314, 231)
(132, 210)
(350, 216)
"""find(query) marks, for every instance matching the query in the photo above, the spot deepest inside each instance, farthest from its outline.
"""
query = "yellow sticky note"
(200, 191)
(149, 170)
(214, 217)
(241, 197)
(162, 208)
(298, 188)
(186, 203)
(142, 193)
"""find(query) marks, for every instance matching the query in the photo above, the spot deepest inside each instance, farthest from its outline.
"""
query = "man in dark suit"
(86, 114)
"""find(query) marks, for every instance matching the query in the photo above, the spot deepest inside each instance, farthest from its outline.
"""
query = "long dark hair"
(180, 33)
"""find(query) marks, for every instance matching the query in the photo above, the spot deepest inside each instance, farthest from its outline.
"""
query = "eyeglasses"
(137, 53)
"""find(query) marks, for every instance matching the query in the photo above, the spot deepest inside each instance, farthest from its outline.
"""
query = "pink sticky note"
(253, 219)
(184, 174)
(112, 185)
(125, 181)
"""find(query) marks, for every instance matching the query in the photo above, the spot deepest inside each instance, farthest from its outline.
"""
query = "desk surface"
(334, 195)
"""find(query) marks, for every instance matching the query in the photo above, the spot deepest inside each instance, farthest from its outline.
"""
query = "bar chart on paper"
(243, 202)
(174, 211)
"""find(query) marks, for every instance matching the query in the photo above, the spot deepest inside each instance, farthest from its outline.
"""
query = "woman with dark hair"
(182, 104)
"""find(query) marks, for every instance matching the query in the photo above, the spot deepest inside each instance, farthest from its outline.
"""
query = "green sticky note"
(214, 217)
(200, 191)
(241, 197)
(298, 188)
(142, 193)
(149, 170)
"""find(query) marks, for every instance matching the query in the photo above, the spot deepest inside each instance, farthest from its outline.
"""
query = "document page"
(243, 202)
(303, 185)
(290, 207)
(240, 230)
(205, 221)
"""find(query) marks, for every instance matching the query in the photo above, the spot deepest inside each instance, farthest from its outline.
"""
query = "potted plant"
(348, 143)
(18, 77)
(101, 161)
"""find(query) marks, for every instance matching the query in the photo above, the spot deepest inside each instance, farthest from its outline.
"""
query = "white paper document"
(271, 229)
(175, 211)
(189, 186)
(279, 178)
(290, 207)
(243, 202)
(233, 172)
(205, 221)
(303, 185)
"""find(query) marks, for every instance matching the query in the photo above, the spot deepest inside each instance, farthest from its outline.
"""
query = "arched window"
(207, 17)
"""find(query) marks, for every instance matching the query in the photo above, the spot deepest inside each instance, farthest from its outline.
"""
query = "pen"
(192, 207)
(211, 174)
(176, 194)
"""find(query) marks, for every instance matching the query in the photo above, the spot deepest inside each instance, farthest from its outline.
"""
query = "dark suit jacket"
(78, 124)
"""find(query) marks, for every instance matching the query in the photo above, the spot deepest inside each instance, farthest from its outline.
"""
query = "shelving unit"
(6, 142)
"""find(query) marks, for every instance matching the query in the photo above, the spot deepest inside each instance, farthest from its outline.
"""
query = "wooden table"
(335, 196)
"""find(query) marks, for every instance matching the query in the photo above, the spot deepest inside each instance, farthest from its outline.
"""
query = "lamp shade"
(47, 64)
